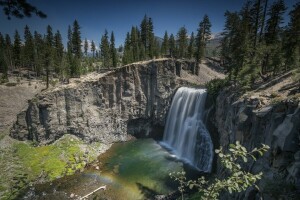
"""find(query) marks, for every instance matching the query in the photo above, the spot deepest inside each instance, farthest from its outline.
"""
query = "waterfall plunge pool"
(140, 169)
(137, 169)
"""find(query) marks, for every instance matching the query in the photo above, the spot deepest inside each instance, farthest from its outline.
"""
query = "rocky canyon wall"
(253, 121)
(128, 100)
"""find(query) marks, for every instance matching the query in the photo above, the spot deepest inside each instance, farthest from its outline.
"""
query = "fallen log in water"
(86, 196)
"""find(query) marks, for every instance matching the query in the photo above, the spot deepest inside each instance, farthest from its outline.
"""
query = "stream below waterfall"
(135, 169)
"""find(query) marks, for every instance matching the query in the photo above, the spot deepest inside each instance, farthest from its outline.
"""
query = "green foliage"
(76, 40)
(215, 85)
(20, 9)
(233, 179)
(203, 35)
(23, 163)
(256, 45)
(172, 45)
(182, 42)
(105, 51)
(165, 45)
(113, 51)
(17, 49)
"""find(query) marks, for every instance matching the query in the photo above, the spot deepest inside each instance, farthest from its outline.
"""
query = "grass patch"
(53, 159)
(22, 163)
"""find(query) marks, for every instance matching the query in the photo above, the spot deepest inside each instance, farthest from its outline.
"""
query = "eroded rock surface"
(132, 99)
(249, 121)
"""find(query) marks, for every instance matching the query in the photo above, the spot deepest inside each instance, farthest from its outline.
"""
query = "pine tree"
(76, 40)
(156, 48)
(3, 64)
(151, 37)
(28, 48)
(38, 53)
(74, 49)
(127, 55)
(17, 49)
(48, 53)
(8, 51)
(165, 45)
(273, 61)
(93, 48)
(229, 41)
(172, 46)
(292, 44)
(59, 53)
(203, 35)
(182, 42)
(191, 47)
(134, 43)
(104, 48)
(145, 34)
(70, 43)
(85, 47)
(113, 50)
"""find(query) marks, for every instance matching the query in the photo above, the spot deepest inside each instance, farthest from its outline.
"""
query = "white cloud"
(89, 45)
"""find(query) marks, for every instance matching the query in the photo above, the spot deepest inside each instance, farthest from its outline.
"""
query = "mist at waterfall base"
(185, 134)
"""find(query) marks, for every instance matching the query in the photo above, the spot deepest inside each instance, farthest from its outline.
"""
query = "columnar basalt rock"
(106, 108)
(252, 123)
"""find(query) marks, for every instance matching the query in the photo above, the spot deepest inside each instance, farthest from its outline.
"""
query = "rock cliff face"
(249, 121)
(128, 100)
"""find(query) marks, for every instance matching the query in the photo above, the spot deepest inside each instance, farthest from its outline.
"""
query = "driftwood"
(86, 196)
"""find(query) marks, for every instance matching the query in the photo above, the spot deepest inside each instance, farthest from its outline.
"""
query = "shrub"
(214, 86)
(236, 179)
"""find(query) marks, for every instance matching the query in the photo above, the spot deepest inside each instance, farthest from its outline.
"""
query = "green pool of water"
(132, 170)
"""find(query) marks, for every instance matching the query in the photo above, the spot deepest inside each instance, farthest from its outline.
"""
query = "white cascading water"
(185, 132)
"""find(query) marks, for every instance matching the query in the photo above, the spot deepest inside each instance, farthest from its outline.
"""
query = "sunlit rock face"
(133, 99)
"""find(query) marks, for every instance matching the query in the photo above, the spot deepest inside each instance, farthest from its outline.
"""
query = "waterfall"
(185, 133)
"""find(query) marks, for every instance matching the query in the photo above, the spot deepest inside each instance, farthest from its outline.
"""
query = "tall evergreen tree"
(182, 42)
(203, 35)
(232, 21)
(191, 47)
(48, 53)
(93, 48)
(17, 49)
(28, 48)
(85, 47)
(8, 51)
(3, 64)
(292, 45)
(152, 43)
(76, 40)
(172, 46)
(104, 48)
(59, 53)
(145, 34)
(38, 53)
(134, 43)
(113, 50)
(165, 45)
(127, 55)
(273, 28)
(74, 43)
(273, 59)
(70, 43)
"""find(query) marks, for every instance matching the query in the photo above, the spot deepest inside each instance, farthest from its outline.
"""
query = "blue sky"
(94, 16)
